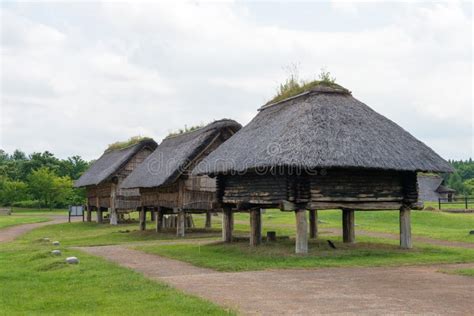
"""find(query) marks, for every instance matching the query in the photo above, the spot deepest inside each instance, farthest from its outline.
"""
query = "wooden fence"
(462, 202)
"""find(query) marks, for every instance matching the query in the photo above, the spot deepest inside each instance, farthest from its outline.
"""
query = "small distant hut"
(102, 180)
(321, 149)
(164, 179)
(431, 188)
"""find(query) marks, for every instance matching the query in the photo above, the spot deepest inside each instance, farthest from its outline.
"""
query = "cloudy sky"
(75, 78)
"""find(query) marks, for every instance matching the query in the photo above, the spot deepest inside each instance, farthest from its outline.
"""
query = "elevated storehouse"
(104, 177)
(321, 149)
(164, 179)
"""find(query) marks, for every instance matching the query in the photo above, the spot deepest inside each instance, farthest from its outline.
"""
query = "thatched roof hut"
(164, 178)
(321, 149)
(104, 176)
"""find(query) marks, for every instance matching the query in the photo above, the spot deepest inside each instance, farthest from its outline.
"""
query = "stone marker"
(55, 243)
(56, 252)
(72, 260)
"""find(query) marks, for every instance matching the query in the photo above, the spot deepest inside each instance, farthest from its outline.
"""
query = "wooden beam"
(227, 224)
(208, 219)
(180, 225)
(348, 232)
(357, 206)
(405, 228)
(100, 217)
(142, 218)
(255, 227)
(159, 219)
(113, 211)
(89, 213)
(313, 224)
(301, 245)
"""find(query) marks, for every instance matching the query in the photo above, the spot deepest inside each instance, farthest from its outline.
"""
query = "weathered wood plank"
(227, 224)
(348, 226)
(301, 244)
(180, 225)
(405, 228)
(255, 227)
(313, 224)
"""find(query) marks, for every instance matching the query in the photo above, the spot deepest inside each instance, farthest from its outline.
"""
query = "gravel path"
(373, 291)
(10, 233)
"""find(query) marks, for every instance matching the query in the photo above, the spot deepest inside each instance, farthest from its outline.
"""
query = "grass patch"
(239, 256)
(436, 225)
(93, 234)
(38, 211)
(12, 220)
(32, 281)
(466, 272)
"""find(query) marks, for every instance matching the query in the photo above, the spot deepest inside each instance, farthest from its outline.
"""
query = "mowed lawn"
(33, 281)
(436, 225)
(12, 220)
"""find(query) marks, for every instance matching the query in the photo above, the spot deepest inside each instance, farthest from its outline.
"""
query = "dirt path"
(10, 233)
(400, 290)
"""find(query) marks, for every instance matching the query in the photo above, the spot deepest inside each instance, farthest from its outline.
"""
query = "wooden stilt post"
(180, 225)
(405, 228)
(255, 227)
(100, 217)
(208, 219)
(113, 211)
(89, 214)
(152, 214)
(348, 232)
(97, 205)
(142, 218)
(313, 224)
(301, 245)
(227, 224)
(159, 219)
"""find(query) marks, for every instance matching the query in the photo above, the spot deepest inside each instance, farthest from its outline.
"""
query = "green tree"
(50, 189)
(12, 191)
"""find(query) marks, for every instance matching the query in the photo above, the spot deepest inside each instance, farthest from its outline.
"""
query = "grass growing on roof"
(186, 129)
(294, 86)
(124, 144)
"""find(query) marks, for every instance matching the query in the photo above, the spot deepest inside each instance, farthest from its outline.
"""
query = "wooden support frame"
(89, 213)
(181, 224)
(255, 227)
(142, 218)
(208, 223)
(348, 226)
(159, 219)
(313, 224)
(227, 224)
(100, 216)
(405, 228)
(301, 244)
(113, 210)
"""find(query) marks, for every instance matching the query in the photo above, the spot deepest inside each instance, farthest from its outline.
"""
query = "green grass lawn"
(239, 256)
(12, 220)
(93, 234)
(32, 281)
(38, 211)
(436, 225)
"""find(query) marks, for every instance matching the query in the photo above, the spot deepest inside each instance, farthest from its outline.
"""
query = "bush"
(27, 204)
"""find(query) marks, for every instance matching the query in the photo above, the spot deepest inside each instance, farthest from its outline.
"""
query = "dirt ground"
(372, 291)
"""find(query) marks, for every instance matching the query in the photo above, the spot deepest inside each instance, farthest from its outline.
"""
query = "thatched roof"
(322, 128)
(110, 162)
(174, 154)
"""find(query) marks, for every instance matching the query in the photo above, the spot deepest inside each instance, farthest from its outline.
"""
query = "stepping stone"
(72, 260)
(56, 252)
(55, 243)
(45, 239)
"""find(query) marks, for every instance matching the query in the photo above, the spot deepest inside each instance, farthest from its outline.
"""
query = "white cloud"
(148, 68)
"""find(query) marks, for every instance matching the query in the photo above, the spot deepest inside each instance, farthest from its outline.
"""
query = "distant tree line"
(462, 180)
(39, 180)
